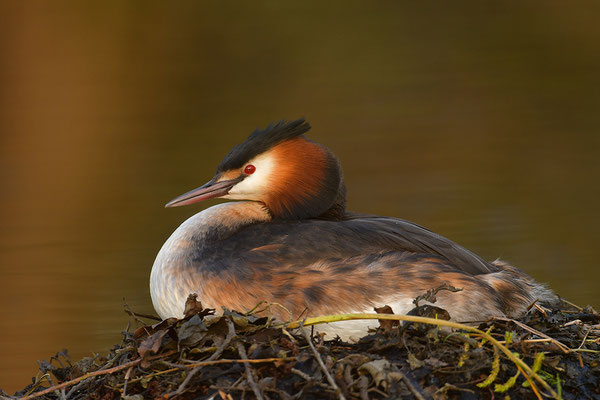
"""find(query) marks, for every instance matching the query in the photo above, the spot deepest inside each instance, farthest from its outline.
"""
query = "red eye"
(249, 169)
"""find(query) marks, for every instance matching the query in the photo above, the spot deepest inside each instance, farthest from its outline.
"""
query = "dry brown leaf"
(194, 307)
(151, 345)
(386, 324)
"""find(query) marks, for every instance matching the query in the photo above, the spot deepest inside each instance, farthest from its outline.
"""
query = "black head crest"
(260, 141)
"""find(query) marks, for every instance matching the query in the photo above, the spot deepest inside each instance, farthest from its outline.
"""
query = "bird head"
(294, 177)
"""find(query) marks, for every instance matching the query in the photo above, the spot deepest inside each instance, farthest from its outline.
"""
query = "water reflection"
(480, 124)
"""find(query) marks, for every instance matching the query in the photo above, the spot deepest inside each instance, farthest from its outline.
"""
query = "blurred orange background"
(479, 121)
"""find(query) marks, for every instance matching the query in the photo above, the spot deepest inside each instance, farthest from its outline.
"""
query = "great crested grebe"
(292, 242)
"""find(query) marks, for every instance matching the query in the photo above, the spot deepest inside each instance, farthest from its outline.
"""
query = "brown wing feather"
(358, 284)
(343, 266)
(306, 242)
(412, 237)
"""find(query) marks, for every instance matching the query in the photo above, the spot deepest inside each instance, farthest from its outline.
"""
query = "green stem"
(431, 321)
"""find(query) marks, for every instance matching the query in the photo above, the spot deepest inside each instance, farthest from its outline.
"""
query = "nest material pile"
(548, 353)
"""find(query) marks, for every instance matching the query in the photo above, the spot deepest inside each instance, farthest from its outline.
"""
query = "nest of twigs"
(548, 353)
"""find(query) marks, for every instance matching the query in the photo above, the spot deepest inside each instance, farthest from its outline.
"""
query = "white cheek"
(254, 186)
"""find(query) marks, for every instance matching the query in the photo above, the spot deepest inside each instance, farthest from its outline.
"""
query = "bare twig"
(178, 367)
(565, 349)
(411, 387)
(249, 373)
(308, 378)
(322, 364)
(75, 389)
(135, 315)
(95, 373)
(584, 338)
(230, 361)
(431, 295)
(541, 309)
(165, 371)
(531, 384)
(127, 376)
(531, 304)
(571, 304)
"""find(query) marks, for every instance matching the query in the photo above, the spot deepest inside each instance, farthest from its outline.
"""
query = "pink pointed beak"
(209, 190)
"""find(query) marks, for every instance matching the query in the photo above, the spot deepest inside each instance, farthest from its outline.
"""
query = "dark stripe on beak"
(209, 190)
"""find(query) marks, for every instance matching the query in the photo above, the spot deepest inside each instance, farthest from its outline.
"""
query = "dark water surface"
(479, 122)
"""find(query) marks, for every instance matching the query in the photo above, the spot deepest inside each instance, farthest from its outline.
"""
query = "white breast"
(171, 277)
(174, 273)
